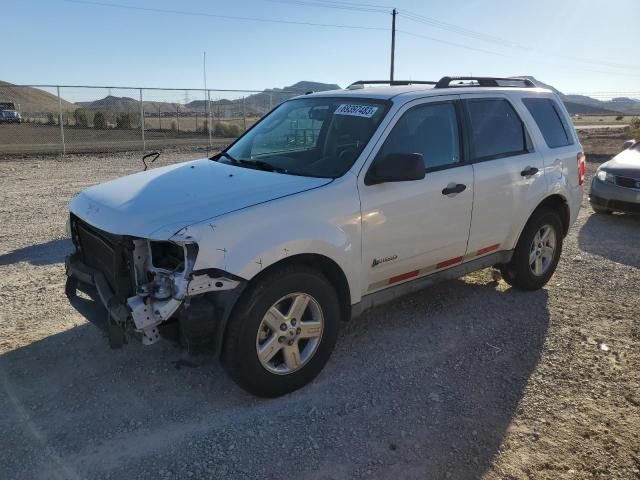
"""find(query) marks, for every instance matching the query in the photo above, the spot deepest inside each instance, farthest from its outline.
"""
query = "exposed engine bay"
(142, 283)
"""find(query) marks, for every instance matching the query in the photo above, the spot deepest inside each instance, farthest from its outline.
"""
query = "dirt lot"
(469, 379)
(28, 138)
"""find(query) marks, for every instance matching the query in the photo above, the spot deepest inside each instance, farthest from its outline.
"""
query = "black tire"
(240, 358)
(518, 272)
(600, 209)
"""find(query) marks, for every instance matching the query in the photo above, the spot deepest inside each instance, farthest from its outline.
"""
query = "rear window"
(549, 119)
(496, 129)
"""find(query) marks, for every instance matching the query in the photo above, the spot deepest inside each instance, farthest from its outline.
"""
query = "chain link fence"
(57, 119)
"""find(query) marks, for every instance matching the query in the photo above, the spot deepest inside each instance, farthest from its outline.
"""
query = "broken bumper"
(78, 272)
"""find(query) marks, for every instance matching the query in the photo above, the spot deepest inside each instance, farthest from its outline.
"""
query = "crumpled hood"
(159, 202)
(625, 164)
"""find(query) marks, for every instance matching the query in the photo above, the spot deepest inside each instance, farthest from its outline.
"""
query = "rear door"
(413, 228)
(508, 173)
(557, 137)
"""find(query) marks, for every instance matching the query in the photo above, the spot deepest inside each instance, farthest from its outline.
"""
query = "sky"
(578, 46)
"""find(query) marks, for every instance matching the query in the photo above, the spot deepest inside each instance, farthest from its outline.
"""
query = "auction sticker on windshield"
(366, 111)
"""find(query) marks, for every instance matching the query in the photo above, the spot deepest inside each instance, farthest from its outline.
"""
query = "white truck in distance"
(333, 203)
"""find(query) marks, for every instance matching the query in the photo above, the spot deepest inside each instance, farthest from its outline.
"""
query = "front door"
(413, 228)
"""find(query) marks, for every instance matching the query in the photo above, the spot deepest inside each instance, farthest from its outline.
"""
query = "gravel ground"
(469, 379)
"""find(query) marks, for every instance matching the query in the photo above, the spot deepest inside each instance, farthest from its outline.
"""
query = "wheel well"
(329, 269)
(558, 204)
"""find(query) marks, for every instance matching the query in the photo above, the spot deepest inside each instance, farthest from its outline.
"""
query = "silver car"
(616, 184)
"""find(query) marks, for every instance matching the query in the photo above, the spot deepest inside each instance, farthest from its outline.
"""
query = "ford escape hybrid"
(333, 203)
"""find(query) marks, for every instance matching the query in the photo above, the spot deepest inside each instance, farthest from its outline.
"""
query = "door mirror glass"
(396, 167)
(628, 144)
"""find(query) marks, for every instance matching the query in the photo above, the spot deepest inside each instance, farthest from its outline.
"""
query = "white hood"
(159, 202)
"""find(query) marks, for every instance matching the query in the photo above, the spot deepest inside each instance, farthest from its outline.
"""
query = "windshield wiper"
(262, 165)
(257, 164)
(217, 156)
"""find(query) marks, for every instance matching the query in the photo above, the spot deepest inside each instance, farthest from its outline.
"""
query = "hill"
(128, 104)
(255, 103)
(584, 105)
(32, 100)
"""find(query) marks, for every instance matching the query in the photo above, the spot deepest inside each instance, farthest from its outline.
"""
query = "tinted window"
(549, 120)
(496, 129)
(431, 130)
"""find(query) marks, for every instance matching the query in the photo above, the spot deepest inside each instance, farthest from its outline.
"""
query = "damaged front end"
(145, 284)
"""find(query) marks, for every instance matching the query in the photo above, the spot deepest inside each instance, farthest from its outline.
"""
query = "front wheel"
(537, 253)
(282, 332)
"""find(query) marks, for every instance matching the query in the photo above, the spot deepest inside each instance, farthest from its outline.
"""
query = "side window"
(430, 129)
(496, 129)
(549, 119)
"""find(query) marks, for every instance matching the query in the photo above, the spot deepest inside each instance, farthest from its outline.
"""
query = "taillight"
(582, 168)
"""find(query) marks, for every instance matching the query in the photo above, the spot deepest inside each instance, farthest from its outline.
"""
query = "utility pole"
(393, 40)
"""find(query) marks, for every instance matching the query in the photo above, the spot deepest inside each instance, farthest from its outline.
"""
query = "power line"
(374, 9)
(449, 27)
(215, 15)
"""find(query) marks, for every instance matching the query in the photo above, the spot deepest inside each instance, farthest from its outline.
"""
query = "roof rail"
(393, 83)
(445, 82)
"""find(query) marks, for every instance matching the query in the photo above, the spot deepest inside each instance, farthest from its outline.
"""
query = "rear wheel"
(537, 253)
(282, 332)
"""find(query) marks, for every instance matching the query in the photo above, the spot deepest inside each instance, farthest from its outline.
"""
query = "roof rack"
(393, 83)
(445, 82)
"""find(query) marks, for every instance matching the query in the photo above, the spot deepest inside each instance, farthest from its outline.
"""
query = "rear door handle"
(527, 172)
(453, 188)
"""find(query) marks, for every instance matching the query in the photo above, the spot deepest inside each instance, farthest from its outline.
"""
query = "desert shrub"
(81, 117)
(634, 128)
(100, 120)
(226, 129)
(51, 119)
(127, 120)
(619, 117)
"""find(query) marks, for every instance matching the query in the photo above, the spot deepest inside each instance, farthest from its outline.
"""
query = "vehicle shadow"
(609, 236)
(46, 253)
(424, 387)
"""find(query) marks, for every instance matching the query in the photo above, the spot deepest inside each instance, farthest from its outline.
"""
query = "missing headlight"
(167, 255)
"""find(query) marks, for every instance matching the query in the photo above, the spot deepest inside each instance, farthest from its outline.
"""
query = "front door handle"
(527, 172)
(453, 188)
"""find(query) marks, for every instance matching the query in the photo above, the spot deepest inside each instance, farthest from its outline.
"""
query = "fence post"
(159, 119)
(64, 148)
(177, 118)
(144, 145)
(244, 113)
(209, 117)
(270, 101)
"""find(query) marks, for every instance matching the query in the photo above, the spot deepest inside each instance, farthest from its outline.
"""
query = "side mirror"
(396, 167)
(628, 144)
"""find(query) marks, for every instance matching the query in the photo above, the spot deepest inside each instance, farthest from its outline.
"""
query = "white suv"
(333, 203)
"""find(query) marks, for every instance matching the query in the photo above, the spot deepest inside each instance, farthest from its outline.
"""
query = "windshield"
(315, 137)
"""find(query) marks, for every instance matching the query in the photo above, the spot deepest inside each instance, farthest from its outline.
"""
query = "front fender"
(317, 222)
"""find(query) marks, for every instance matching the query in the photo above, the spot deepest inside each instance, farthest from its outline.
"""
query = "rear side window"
(549, 120)
(496, 129)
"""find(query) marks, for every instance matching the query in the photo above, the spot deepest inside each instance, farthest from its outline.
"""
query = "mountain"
(128, 104)
(583, 105)
(32, 100)
(254, 104)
